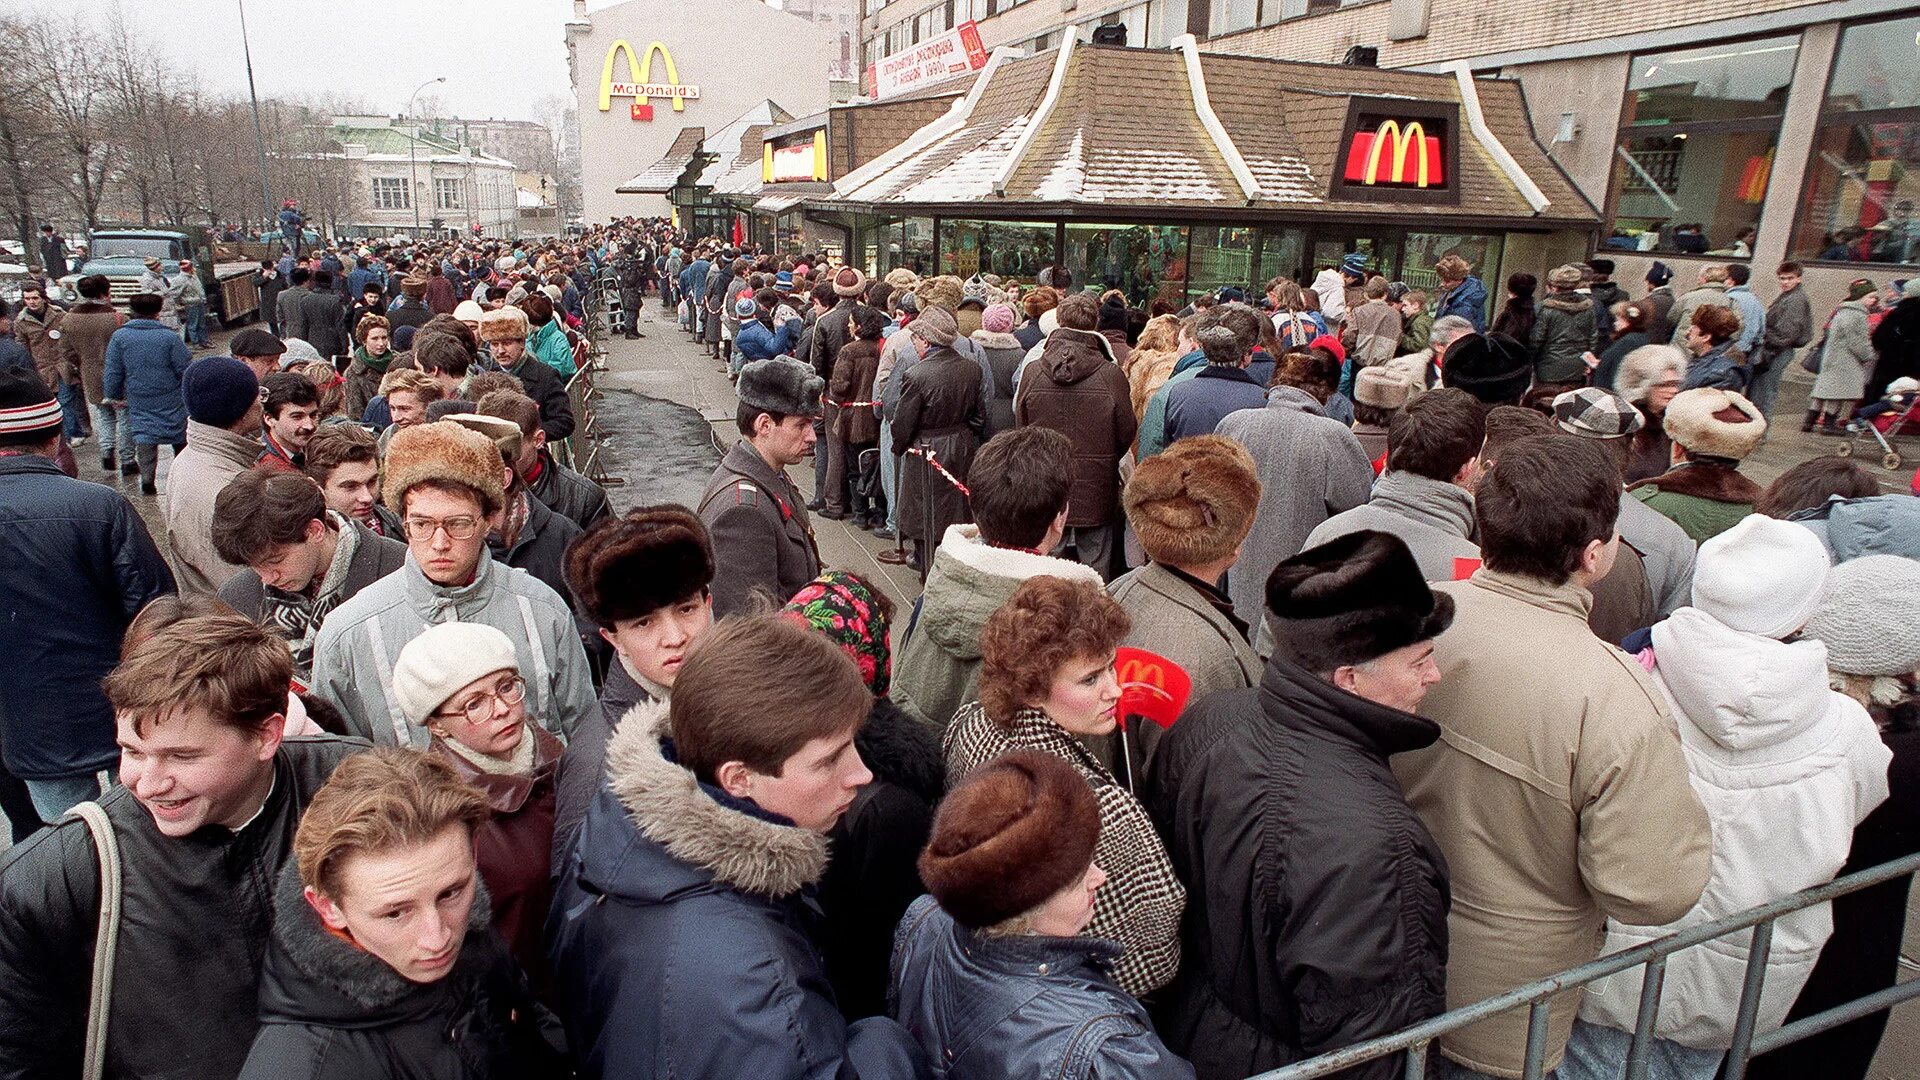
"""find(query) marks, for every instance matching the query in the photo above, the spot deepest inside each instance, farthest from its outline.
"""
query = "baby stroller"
(1892, 417)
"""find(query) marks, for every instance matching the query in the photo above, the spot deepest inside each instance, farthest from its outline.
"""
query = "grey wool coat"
(1173, 618)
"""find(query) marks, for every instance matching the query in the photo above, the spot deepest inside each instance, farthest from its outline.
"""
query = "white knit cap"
(443, 660)
(468, 310)
(1763, 576)
(1868, 627)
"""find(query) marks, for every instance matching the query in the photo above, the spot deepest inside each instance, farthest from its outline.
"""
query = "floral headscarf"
(846, 609)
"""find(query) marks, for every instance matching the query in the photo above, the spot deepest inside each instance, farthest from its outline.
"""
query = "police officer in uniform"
(762, 539)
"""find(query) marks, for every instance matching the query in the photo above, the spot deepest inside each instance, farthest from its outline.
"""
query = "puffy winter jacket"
(144, 366)
(984, 1008)
(1785, 768)
(549, 344)
(1467, 300)
(756, 342)
(1562, 333)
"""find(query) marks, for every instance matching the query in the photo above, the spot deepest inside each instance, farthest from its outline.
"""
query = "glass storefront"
(1863, 179)
(1146, 262)
(883, 244)
(1696, 146)
(1223, 256)
(1424, 250)
(1283, 253)
(1015, 250)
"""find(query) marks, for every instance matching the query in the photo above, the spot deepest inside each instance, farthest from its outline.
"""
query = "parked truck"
(120, 256)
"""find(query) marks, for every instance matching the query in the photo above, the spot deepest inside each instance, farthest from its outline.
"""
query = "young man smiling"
(204, 822)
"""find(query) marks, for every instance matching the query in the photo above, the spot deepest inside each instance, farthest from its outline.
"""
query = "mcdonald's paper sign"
(640, 85)
(1152, 687)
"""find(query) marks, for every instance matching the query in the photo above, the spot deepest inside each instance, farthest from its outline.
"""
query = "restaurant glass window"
(1283, 253)
(1145, 262)
(1482, 252)
(1696, 146)
(1864, 177)
(873, 235)
(1223, 256)
(1015, 250)
(916, 246)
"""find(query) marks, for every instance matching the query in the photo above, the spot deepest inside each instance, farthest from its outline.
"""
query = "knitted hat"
(443, 451)
(974, 291)
(413, 288)
(254, 341)
(1658, 274)
(1193, 502)
(1595, 413)
(1382, 387)
(744, 307)
(779, 385)
(849, 282)
(1647, 367)
(443, 660)
(1013, 834)
(1492, 367)
(935, 326)
(1712, 422)
(1763, 576)
(997, 319)
(403, 337)
(783, 279)
(29, 413)
(1566, 276)
(468, 311)
(1331, 344)
(219, 390)
(1859, 287)
(505, 263)
(298, 352)
(1354, 263)
(635, 564)
(1353, 599)
(1867, 629)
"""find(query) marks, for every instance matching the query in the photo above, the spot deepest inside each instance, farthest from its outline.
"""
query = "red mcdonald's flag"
(1151, 686)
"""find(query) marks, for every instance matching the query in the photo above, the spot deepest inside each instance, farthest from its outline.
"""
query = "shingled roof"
(1126, 135)
(660, 177)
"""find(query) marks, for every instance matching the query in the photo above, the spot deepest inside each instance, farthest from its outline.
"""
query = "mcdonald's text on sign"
(1396, 154)
(639, 85)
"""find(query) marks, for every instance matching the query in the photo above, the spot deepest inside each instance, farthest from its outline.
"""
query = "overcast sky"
(499, 56)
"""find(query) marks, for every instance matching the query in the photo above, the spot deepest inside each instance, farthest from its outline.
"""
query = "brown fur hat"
(628, 566)
(944, 291)
(446, 452)
(1193, 503)
(1711, 422)
(901, 278)
(1016, 831)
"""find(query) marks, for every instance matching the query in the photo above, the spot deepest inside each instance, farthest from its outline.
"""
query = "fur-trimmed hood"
(987, 339)
(1572, 303)
(687, 826)
(971, 579)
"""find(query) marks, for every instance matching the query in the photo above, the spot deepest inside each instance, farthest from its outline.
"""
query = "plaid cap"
(1593, 413)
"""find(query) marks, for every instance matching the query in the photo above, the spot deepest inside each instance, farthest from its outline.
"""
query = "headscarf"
(846, 609)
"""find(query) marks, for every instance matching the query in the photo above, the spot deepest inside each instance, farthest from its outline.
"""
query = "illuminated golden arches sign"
(1391, 145)
(639, 88)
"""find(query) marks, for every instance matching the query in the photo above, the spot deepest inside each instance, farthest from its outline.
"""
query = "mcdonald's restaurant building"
(1170, 172)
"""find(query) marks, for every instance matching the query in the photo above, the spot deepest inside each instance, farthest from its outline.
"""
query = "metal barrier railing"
(581, 451)
(1415, 1041)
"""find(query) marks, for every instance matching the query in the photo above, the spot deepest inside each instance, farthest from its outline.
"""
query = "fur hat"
(413, 288)
(502, 433)
(1009, 837)
(849, 282)
(1565, 276)
(1867, 629)
(935, 326)
(1762, 576)
(1382, 387)
(1353, 599)
(902, 278)
(780, 385)
(628, 566)
(442, 660)
(219, 390)
(944, 291)
(505, 324)
(1193, 502)
(1647, 367)
(444, 451)
(1711, 422)
(1492, 367)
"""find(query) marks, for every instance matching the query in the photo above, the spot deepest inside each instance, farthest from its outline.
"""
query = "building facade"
(406, 180)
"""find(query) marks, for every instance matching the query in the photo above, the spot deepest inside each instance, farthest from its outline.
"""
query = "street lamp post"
(259, 141)
(413, 169)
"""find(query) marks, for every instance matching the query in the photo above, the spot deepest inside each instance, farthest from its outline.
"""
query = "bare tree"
(61, 59)
(24, 145)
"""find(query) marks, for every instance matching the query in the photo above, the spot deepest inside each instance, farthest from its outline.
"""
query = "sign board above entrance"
(937, 59)
(638, 85)
(1399, 150)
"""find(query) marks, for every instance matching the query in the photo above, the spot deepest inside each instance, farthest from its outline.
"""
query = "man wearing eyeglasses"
(446, 483)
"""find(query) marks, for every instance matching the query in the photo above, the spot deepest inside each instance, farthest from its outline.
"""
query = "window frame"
(442, 185)
(382, 190)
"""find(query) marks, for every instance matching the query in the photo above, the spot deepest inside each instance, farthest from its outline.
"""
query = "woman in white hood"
(1330, 285)
(1785, 766)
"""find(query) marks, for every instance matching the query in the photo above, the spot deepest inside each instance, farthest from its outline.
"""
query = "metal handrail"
(1415, 1040)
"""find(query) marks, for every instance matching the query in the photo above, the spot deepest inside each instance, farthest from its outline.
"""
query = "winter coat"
(938, 669)
(1667, 553)
(316, 318)
(1468, 299)
(942, 412)
(1702, 497)
(1077, 390)
(1003, 358)
(852, 380)
(1753, 319)
(1331, 927)
(42, 335)
(1029, 334)
(1174, 617)
(1311, 468)
(362, 382)
(762, 538)
(681, 935)
(1785, 768)
(1331, 287)
(568, 493)
(1197, 405)
(354, 653)
(1789, 327)
(832, 333)
(1846, 360)
(440, 296)
(514, 848)
(1152, 432)
(1416, 334)
(1721, 367)
(1661, 299)
(185, 997)
(1562, 334)
(583, 766)
(330, 1010)
(84, 335)
(545, 386)
(548, 344)
(540, 548)
(873, 851)
(1608, 370)
(1709, 294)
(1434, 517)
(213, 457)
(155, 283)
(1373, 332)
(756, 342)
(1140, 904)
(412, 313)
(144, 365)
(1609, 826)
(1896, 344)
(988, 1007)
(82, 565)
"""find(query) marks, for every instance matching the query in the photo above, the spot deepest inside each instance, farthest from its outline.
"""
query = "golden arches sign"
(1414, 138)
(639, 88)
(1369, 152)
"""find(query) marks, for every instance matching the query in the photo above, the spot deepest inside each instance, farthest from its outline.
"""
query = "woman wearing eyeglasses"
(461, 681)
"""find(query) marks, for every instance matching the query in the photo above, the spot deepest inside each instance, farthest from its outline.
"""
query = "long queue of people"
(429, 764)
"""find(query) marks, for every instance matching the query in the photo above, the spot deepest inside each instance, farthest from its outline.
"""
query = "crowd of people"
(403, 754)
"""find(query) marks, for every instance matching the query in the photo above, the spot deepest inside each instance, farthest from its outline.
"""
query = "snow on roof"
(724, 145)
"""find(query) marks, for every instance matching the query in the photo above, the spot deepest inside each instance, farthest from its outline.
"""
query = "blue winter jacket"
(681, 935)
(1718, 368)
(756, 342)
(984, 1008)
(1469, 301)
(1153, 423)
(1194, 407)
(81, 565)
(145, 363)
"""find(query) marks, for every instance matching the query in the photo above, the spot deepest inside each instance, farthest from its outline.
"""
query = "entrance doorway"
(1331, 244)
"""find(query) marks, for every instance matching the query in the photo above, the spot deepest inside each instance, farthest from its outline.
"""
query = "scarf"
(295, 616)
(380, 365)
(514, 520)
(518, 763)
(845, 608)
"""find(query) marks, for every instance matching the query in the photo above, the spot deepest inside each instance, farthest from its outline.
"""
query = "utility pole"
(259, 141)
(413, 169)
